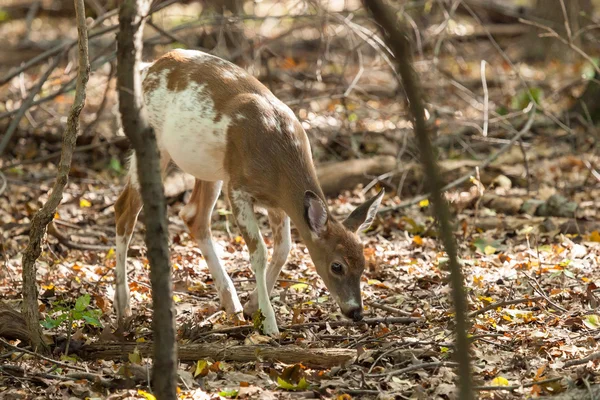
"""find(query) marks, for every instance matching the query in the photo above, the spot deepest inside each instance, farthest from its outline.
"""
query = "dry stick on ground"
(332, 324)
(140, 133)
(27, 103)
(389, 309)
(43, 217)
(484, 164)
(504, 303)
(398, 41)
(314, 358)
(515, 387)
(75, 376)
(60, 364)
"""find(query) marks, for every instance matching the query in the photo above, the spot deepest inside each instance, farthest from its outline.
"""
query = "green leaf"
(82, 302)
(228, 393)
(592, 321)
(522, 99)
(115, 165)
(92, 320)
(569, 274)
(301, 385)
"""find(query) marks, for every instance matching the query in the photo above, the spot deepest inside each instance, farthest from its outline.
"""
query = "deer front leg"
(282, 244)
(242, 206)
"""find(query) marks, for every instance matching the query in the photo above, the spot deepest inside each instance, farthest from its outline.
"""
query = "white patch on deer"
(245, 216)
(189, 128)
(282, 250)
(229, 74)
(132, 172)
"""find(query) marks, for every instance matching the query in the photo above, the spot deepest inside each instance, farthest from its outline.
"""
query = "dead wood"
(338, 176)
(558, 225)
(590, 393)
(555, 206)
(12, 324)
(314, 358)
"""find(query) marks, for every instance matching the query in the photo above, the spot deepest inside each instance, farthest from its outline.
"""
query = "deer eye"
(337, 268)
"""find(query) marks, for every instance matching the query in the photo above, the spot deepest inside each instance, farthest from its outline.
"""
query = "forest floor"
(527, 229)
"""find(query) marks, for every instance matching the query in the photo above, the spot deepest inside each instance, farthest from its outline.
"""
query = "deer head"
(336, 249)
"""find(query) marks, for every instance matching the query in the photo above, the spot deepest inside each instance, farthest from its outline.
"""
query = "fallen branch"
(389, 309)
(337, 176)
(517, 223)
(313, 358)
(515, 387)
(427, 365)
(504, 303)
(481, 166)
(31, 353)
(75, 376)
(332, 324)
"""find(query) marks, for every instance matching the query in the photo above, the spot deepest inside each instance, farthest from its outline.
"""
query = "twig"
(56, 154)
(388, 308)
(554, 34)
(32, 353)
(486, 100)
(75, 376)
(539, 290)
(428, 365)
(504, 303)
(591, 357)
(27, 103)
(515, 387)
(4, 184)
(321, 324)
(484, 164)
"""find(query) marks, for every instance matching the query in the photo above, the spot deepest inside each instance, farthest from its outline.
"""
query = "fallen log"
(338, 176)
(554, 224)
(313, 358)
(12, 324)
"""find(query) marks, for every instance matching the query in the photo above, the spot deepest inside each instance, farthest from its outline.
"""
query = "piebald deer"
(221, 125)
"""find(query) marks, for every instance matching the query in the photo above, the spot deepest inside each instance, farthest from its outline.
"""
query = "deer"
(215, 121)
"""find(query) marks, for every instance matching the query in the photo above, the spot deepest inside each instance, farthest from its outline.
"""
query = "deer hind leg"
(242, 206)
(197, 215)
(127, 208)
(282, 244)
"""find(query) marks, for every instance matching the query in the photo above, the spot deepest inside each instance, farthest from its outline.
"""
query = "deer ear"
(362, 217)
(315, 212)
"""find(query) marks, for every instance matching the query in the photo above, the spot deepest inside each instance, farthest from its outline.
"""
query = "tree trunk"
(395, 35)
(141, 135)
(43, 217)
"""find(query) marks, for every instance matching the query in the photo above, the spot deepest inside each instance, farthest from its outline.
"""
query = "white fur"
(185, 127)
(121, 299)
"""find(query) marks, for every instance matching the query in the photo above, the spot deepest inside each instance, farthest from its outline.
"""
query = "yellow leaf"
(201, 368)
(48, 287)
(56, 215)
(135, 357)
(110, 253)
(507, 318)
(299, 287)
(83, 203)
(424, 203)
(146, 395)
(373, 282)
(76, 267)
(140, 340)
(176, 298)
(238, 239)
(500, 381)
(594, 237)
(418, 240)
(489, 250)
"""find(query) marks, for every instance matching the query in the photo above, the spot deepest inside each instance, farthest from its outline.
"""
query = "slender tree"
(141, 135)
(44, 216)
(394, 33)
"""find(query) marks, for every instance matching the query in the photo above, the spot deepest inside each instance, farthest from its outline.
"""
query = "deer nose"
(356, 314)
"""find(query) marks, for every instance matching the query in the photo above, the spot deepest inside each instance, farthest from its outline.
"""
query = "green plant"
(80, 312)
